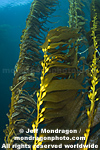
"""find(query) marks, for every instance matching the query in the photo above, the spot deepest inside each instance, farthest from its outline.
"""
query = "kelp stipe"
(76, 15)
(26, 75)
(92, 112)
(40, 94)
(78, 21)
(95, 12)
(61, 84)
(92, 97)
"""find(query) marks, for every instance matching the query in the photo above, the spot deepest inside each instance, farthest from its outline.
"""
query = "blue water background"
(12, 22)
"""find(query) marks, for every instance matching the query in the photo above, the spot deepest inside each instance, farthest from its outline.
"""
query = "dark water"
(12, 22)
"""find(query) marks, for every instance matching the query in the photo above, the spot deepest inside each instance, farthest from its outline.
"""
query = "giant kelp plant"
(25, 82)
(56, 99)
(94, 94)
(60, 84)
(76, 15)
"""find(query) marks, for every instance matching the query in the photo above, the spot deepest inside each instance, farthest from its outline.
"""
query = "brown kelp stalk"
(40, 95)
(26, 75)
(94, 81)
(76, 15)
(59, 87)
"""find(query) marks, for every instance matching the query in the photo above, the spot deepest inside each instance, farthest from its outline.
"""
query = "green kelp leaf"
(56, 123)
(53, 45)
(55, 105)
(71, 109)
(61, 55)
(49, 35)
(74, 109)
(80, 3)
(64, 84)
(57, 72)
(58, 64)
(56, 36)
(58, 56)
(48, 78)
(75, 63)
(78, 8)
(80, 78)
(65, 35)
(60, 96)
(62, 48)
(45, 45)
(81, 23)
(48, 114)
(81, 17)
(90, 53)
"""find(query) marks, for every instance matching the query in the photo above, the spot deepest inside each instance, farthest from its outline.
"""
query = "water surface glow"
(13, 3)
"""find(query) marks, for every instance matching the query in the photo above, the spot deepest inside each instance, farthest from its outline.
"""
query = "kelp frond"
(91, 112)
(60, 85)
(77, 19)
(76, 15)
(26, 74)
(95, 12)
(92, 97)
(59, 103)
(40, 96)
